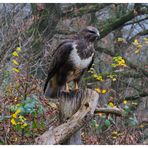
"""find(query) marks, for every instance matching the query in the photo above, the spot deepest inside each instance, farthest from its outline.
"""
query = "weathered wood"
(58, 135)
(69, 104)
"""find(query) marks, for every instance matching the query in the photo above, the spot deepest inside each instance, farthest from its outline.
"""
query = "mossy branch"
(119, 22)
(84, 10)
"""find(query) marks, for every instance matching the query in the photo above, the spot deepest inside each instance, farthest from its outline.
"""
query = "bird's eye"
(92, 31)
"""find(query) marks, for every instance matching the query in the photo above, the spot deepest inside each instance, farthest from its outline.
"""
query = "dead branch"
(116, 111)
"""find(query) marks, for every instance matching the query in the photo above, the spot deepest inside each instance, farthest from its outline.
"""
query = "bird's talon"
(65, 91)
(76, 90)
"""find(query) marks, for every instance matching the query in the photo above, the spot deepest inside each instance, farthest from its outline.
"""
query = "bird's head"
(90, 33)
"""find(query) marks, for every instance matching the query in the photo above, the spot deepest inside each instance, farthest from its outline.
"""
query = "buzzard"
(71, 59)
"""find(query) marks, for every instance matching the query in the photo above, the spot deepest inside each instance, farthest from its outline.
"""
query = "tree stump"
(73, 109)
(69, 105)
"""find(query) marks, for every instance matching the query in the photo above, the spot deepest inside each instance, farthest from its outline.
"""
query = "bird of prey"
(71, 59)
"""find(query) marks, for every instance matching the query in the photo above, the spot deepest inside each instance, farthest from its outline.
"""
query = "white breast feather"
(78, 62)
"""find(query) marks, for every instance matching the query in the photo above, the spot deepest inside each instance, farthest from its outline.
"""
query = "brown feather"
(62, 68)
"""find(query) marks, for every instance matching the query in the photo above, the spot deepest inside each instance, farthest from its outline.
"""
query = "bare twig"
(116, 111)
(134, 22)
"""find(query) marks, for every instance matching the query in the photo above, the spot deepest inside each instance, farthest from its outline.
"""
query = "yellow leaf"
(103, 91)
(99, 78)
(145, 39)
(139, 46)
(90, 71)
(13, 121)
(114, 137)
(120, 134)
(15, 62)
(24, 125)
(124, 102)
(134, 103)
(15, 54)
(136, 42)
(114, 133)
(18, 105)
(14, 115)
(120, 39)
(141, 126)
(17, 111)
(114, 79)
(82, 133)
(110, 76)
(92, 68)
(137, 51)
(123, 61)
(18, 49)
(15, 99)
(16, 70)
(96, 125)
(111, 104)
(98, 90)
(53, 105)
(15, 139)
(95, 75)
(22, 118)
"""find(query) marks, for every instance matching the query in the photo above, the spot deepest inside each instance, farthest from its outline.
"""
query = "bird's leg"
(67, 87)
(76, 85)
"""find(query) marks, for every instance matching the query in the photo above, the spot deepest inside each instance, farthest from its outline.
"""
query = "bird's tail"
(52, 89)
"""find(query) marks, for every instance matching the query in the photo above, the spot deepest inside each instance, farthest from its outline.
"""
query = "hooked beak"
(97, 36)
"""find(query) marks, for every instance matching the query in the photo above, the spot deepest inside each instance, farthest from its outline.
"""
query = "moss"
(116, 23)
(30, 31)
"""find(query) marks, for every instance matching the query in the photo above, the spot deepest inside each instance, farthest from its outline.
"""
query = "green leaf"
(40, 109)
(94, 123)
(4, 117)
(42, 124)
(13, 108)
(29, 106)
(107, 123)
(1, 118)
(34, 125)
(133, 121)
(126, 108)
